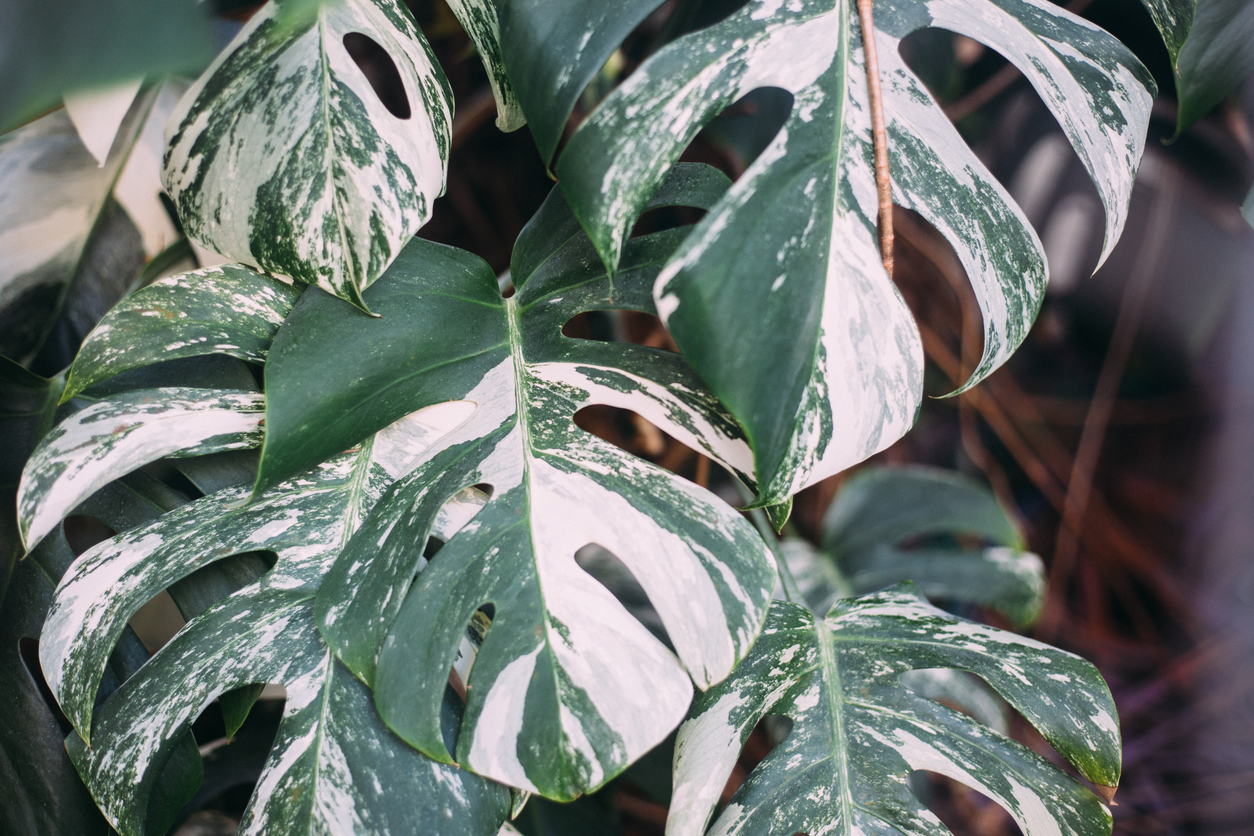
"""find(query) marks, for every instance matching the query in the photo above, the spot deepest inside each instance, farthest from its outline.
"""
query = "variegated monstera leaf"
(334, 766)
(778, 298)
(937, 528)
(568, 688)
(858, 732)
(284, 157)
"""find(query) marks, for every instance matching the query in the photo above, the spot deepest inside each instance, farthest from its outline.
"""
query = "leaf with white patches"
(54, 192)
(283, 156)
(112, 437)
(334, 767)
(481, 20)
(228, 310)
(1209, 42)
(778, 297)
(858, 732)
(941, 530)
(568, 688)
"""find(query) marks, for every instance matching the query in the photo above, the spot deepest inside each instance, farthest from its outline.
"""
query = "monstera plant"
(385, 490)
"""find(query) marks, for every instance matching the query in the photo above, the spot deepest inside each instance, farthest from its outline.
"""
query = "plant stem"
(879, 134)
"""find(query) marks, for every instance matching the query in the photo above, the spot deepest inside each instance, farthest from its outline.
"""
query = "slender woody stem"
(883, 185)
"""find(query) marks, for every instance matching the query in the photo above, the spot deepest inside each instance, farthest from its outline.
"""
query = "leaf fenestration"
(282, 155)
(778, 298)
(858, 732)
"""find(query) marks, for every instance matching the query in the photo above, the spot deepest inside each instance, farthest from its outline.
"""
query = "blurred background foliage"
(1120, 438)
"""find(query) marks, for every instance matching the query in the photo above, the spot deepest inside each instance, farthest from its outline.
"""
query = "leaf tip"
(1107, 793)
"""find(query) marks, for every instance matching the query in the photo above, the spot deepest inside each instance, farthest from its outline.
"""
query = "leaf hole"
(635, 327)
(733, 140)
(380, 70)
(453, 515)
(608, 570)
(965, 811)
(766, 736)
(82, 532)
(963, 692)
(231, 768)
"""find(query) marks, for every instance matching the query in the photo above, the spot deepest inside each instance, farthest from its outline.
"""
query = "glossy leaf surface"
(334, 766)
(48, 49)
(778, 298)
(1209, 42)
(858, 732)
(567, 688)
(283, 155)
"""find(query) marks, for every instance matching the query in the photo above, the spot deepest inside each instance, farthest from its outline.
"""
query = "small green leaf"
(939, 529)
(858, 732)
(283, 156)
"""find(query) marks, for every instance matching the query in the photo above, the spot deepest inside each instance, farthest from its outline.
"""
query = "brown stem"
(879, 134)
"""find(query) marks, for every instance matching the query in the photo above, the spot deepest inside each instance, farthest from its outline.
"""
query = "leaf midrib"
(833, 690)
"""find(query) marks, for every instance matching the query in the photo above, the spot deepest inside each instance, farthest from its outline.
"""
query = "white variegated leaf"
(283, 156)
(112, 437)
(481, 20)
(334, 767)
(858, 731)
(779, 297)
(568, 688)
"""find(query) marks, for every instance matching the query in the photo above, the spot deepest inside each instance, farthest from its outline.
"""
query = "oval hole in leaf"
(769, 732)
(231, 771)
(634, 327)
(380, 70)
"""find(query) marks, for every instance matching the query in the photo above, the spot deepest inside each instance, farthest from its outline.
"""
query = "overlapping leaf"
(778, 298)
(858, 732)
(939, 529)
(55, 193)
(283, 156)
(334, 767)
(568, 688)
(1210, 46)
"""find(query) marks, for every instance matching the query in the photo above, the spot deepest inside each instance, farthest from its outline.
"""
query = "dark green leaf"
(52, 47)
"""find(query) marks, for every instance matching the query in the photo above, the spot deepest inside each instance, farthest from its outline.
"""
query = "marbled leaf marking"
(334, 767)
(282, 156)
(229, 310)
(858, 732)
(481, 21)
(778, 297)
(567, 688)
(112, 437)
